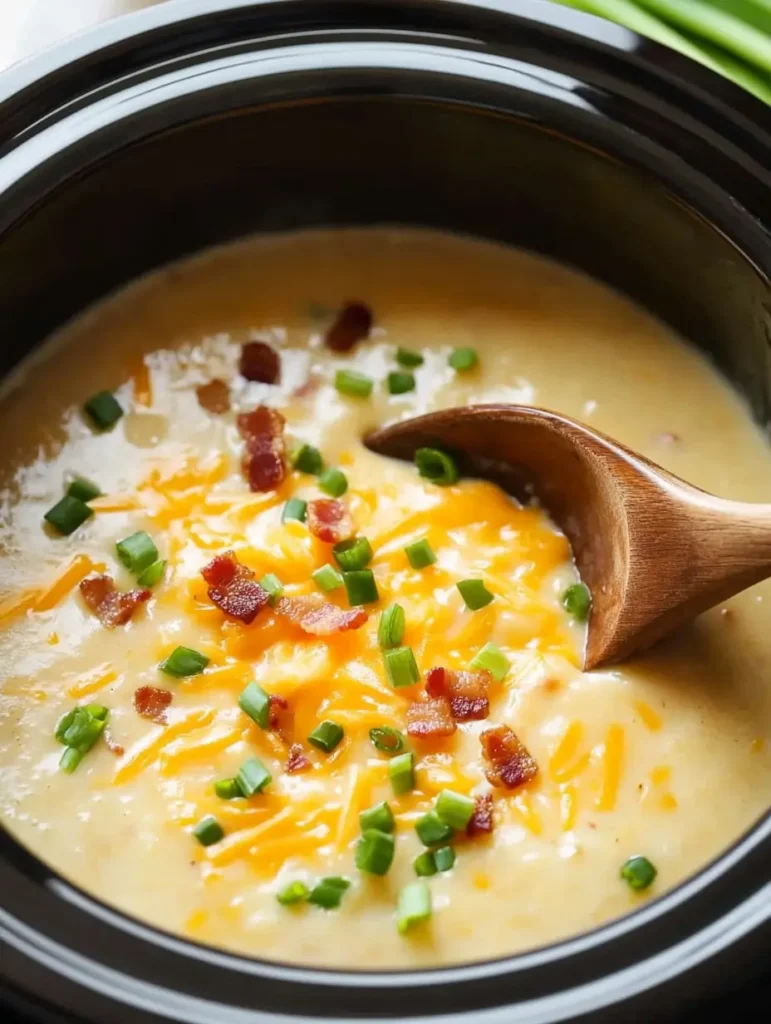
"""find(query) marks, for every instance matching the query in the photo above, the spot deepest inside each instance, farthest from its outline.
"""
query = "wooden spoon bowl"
(654, 551)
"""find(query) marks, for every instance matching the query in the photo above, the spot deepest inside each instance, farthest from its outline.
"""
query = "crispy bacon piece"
(264, 461)
(152, 702)
(111, 606)
(481, 822)
(427, 719)
(281, 718)
(297, 761)
(329, 520)
(259, 362)
(233, 588)
(112, 745)
(321, 618)
(467, 692)
(509, 763)
(353, 323)
(214, 396)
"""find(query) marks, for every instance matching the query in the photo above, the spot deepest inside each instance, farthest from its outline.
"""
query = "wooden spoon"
(653, 550)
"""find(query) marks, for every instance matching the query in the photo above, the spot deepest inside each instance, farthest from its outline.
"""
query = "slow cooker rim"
(761, 832)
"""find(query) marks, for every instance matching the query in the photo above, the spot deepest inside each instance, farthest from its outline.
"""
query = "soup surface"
(665, 757)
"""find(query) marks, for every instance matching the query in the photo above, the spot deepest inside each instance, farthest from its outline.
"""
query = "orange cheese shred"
(93, 681)
(147, 750)
(143, 385)
(651, 719)
(73, 572)
(17, 604)
(612, 763)
(238, 843)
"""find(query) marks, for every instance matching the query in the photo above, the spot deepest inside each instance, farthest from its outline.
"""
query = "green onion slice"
(353, 554)
(295, 508)
(406, 357)
(424, 864)
(153, 574)
(184, 662)
(68, 514)
(328, 892)
(227, 789)
(380, 817)
(292, 894)
(638, 873)
(577, 600)
(475, 594)
(444, 858)
(103, 409)
(401, 667)
(401, 772)
(389, 740)
(308, 459)
(420, 554)
(253, 777)
(208, 831)
(454, 809)
(432, 830)
(327, 578)
(255, 702)
(375, 851)
(390, 630)
(273, 587)
(400, 383)
(353, 384)
(413, 906)
(137, 552)
(82, 489)
(361, 587)
(493, 660)
(436, 466)
(326, 736)
(463, 359)
(333, 482)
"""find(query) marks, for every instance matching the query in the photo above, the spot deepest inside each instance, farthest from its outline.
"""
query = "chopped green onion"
(454, 809)
(83, 489)
(390, 631)
(475, 594)
(638, 873)
(463, 359)
(444, 858)
(389, 740)
(295, 508)
(255, 702)
(79, 730)
(493, 660)
(183, 662)
(401, 667)
(333, 482)
(424, 864)
(70, 760)
(308, 459)
(436, 466)
(353, 384)
(361, 587)
(227, 789)
(295, 892)
(432, 830)
(401, 772)
(400, 383)
(380, 817)
(153, 573)
(68, 514)
(327, 578)
(420, 554)
(272, 586)
(104, 410)
(326, 736)
(413, 906)
(137, 552)
(353, 554)
(577, 601)
(328, 892)
(375, 851)
(253, 777)
(406, 357)
(208, 831)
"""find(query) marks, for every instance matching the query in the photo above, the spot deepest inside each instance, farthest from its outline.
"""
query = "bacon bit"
(509, 763)
(329, 520)
(115, 748)
(259, 362)
(430, 718)
(151, 702)
(280, 718)
(233, 589)
(297, 761)
(214, 396)
(264, 462)
(482, 819)
(111, 606)
(466, 692)
(321, 618)
(353, 323)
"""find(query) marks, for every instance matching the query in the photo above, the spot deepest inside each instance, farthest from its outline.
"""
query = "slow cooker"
(195, 122)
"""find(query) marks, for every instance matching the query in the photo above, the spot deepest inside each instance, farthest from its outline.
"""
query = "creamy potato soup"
(271, 691)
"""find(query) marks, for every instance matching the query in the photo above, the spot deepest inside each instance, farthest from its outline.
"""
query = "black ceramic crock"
(200, 121)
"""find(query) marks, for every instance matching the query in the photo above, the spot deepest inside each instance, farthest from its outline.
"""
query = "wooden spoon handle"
(735, 537)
